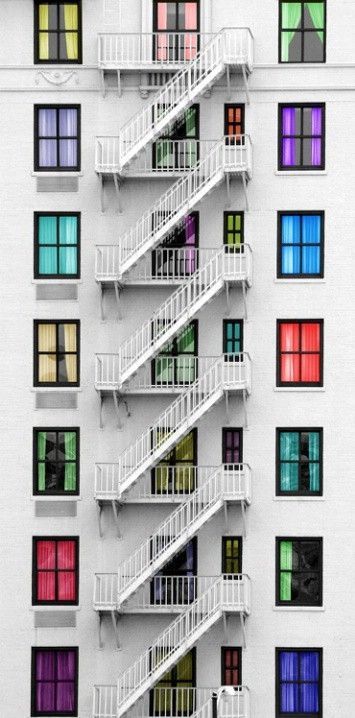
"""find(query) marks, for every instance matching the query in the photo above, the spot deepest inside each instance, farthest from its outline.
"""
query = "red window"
(300, 358)
(231, 666)
(55, 570)
(233, 123)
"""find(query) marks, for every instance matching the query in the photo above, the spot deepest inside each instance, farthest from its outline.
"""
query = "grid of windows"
(299, 571)
(55, 570)
(57, 245)
(58, 32)
(300, 244)
(299, 682)
(299, 462)
(302, 31)
(57, 138)
(54, 681)
(300, 352)
(302, 136)
(56, 461)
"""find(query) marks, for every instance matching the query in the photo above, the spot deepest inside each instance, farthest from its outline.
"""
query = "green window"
(231, 555)
(177, 147)
(56, 461)
(57, 245)
(299, 462)
(233, 234)
(302, 31)
(175, 473)
(299, 568)
(176, 364)
(232, 338)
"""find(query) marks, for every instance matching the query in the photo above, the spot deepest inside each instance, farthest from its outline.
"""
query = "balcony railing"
(168, 483)
(169, 593)
(165, 157)
(166, 50)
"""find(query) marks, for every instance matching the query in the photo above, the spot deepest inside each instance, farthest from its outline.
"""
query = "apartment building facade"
(177, 372)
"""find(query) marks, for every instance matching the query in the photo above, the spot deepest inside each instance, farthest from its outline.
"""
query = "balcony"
(171, 484)
(162, 701)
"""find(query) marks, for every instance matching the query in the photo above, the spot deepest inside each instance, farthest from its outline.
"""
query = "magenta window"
(54, 681)
(180, 21)
(300, 352)
(232, 446)
(302, 137)
(55, 570)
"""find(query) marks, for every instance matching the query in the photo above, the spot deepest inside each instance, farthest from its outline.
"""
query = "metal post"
(246, 86)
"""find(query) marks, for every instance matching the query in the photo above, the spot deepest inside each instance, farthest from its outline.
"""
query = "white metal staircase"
(225, 50)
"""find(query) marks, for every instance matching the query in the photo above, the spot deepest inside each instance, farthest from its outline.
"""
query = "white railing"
(224, 594)
(166, 373)
(169, 265)
(162, 592)
(170, 483)
(133, 50)
(179, 199)
(165, 157)
(180, 307)
(229, 47)
(181, 415)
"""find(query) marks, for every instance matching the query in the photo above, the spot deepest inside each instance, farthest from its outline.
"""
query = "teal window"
(302, 31)
(232, 338)
(299, 571)
(57, 245)
(299, 462)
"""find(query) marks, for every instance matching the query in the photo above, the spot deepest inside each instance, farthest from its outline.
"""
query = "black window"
(55, 461)
(233, 123)
(175, 582)
(57, 32)
(54, 683)
(232, 338)
(56, 245)
(177, 255)
(232, 446)
(299, 571)
(302, 31)
(299, 462)
(177, 147)
(300, 244)
(231, 666)
(56, 352)
(231, 555)
(57, 138)
(55, 570)
(298, 682)
(302, 136)
(233, 230)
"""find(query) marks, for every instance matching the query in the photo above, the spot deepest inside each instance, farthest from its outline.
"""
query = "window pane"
(48, 260)
(291, 260)
(68, 153)
(47, 122)
(47, 337)
(313, 47)
(47, 230)
(68, 122)
(289, 337)
(68, 228)
(68, 260)
(310, 337)
(67, 371)
(46, 554)
(290, 368)
(47, 153)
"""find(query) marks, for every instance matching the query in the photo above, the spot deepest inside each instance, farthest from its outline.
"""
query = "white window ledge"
(300, 173)
(299, 609)
(58, 174)
(299, 388)
(73, 389)
(313, 280)
(298, 498)
(52, 280)
(55, 608)
(56, 498)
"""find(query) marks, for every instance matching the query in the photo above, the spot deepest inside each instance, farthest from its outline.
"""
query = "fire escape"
(142, 365)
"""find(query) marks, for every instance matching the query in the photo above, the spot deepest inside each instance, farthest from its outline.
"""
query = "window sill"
(72, 389)
(299, 388)
(298, 498)
(55, 607)
(54, 280)
(299, 280)
(56, 498)
(300, 173)
(58, 173)
(299, 609)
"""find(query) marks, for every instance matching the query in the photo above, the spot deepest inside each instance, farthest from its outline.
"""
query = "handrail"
(165, 157)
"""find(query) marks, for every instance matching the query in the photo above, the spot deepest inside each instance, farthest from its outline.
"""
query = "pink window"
(300, 352)
(176, 27)
(55, 571)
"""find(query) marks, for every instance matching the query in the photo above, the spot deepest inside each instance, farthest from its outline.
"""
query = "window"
(57, 245)
(176, 364)
(175, 474)
(233, 123)
(232, 446)
(56, 353)
(167, 702)
(56, 461)
(233, 230)
(300, 352)
(300, 244)
(231, 666)
(169, 18)
(299, 572)
(54, 682)
(299, 682)
(232, 338)
(299, 462)
(57, 32)
(167, 261)
(302, 137)
(302, 31)
(231, 555)
(55, 570)
(57, 138)
(175, 583)
(177, 146)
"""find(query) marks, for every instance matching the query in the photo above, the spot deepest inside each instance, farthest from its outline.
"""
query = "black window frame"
(224, 650)
(172, 241)
(194, 432)
(299, 430)
(302, 32)
(238, 429)
(56, 602)
(36, 353)
(225, 557)
(34, 651)
(313, 384)
(282, 714)
(232, 357)
(36, 461)
(298, 540)
(226, 231)
(36, 137)
(226, 123)
(37, 245)
(169, 135)
(299, 213)
(174, 683)
(177, 2)
(174, 353)
(37, 60)
(301, 167)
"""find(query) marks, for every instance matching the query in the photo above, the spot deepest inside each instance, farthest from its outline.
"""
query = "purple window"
(302, 136)
(57, 141)
(232, 447)
(54, 681)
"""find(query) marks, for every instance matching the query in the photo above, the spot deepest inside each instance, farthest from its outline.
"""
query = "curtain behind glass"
(289, 457)
(291, 236)
(71, 38)
(70, 456)
(47, 235)
(43, 19)
(291, 18)
(68, 235)
(311, 236)
(41, 455)
(68, 121)
(316, 11)
(288, 143)
(70, 346)
(285, 570)
(47, 368)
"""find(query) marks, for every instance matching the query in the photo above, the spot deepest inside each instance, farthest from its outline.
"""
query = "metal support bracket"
(226, 394)
(242, 625)
(101, 403)
(245, 409)
(118, 302)
(225, 507)
(228, 185)
(225, 625)
(115, 619)
(102, 193)
(244, 181)
(102, 82)
(119, 88)
(228, 306)
(245, 83)
(244, 518)
(99, 629)
(118, 192)
(102, 312)
(228, 75)
(244, 290)
(116, 402)
(99, 508)
(115, 514)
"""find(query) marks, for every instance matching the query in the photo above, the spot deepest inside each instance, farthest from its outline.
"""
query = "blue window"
(298, 682)
(57, 240)
(300, 244)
